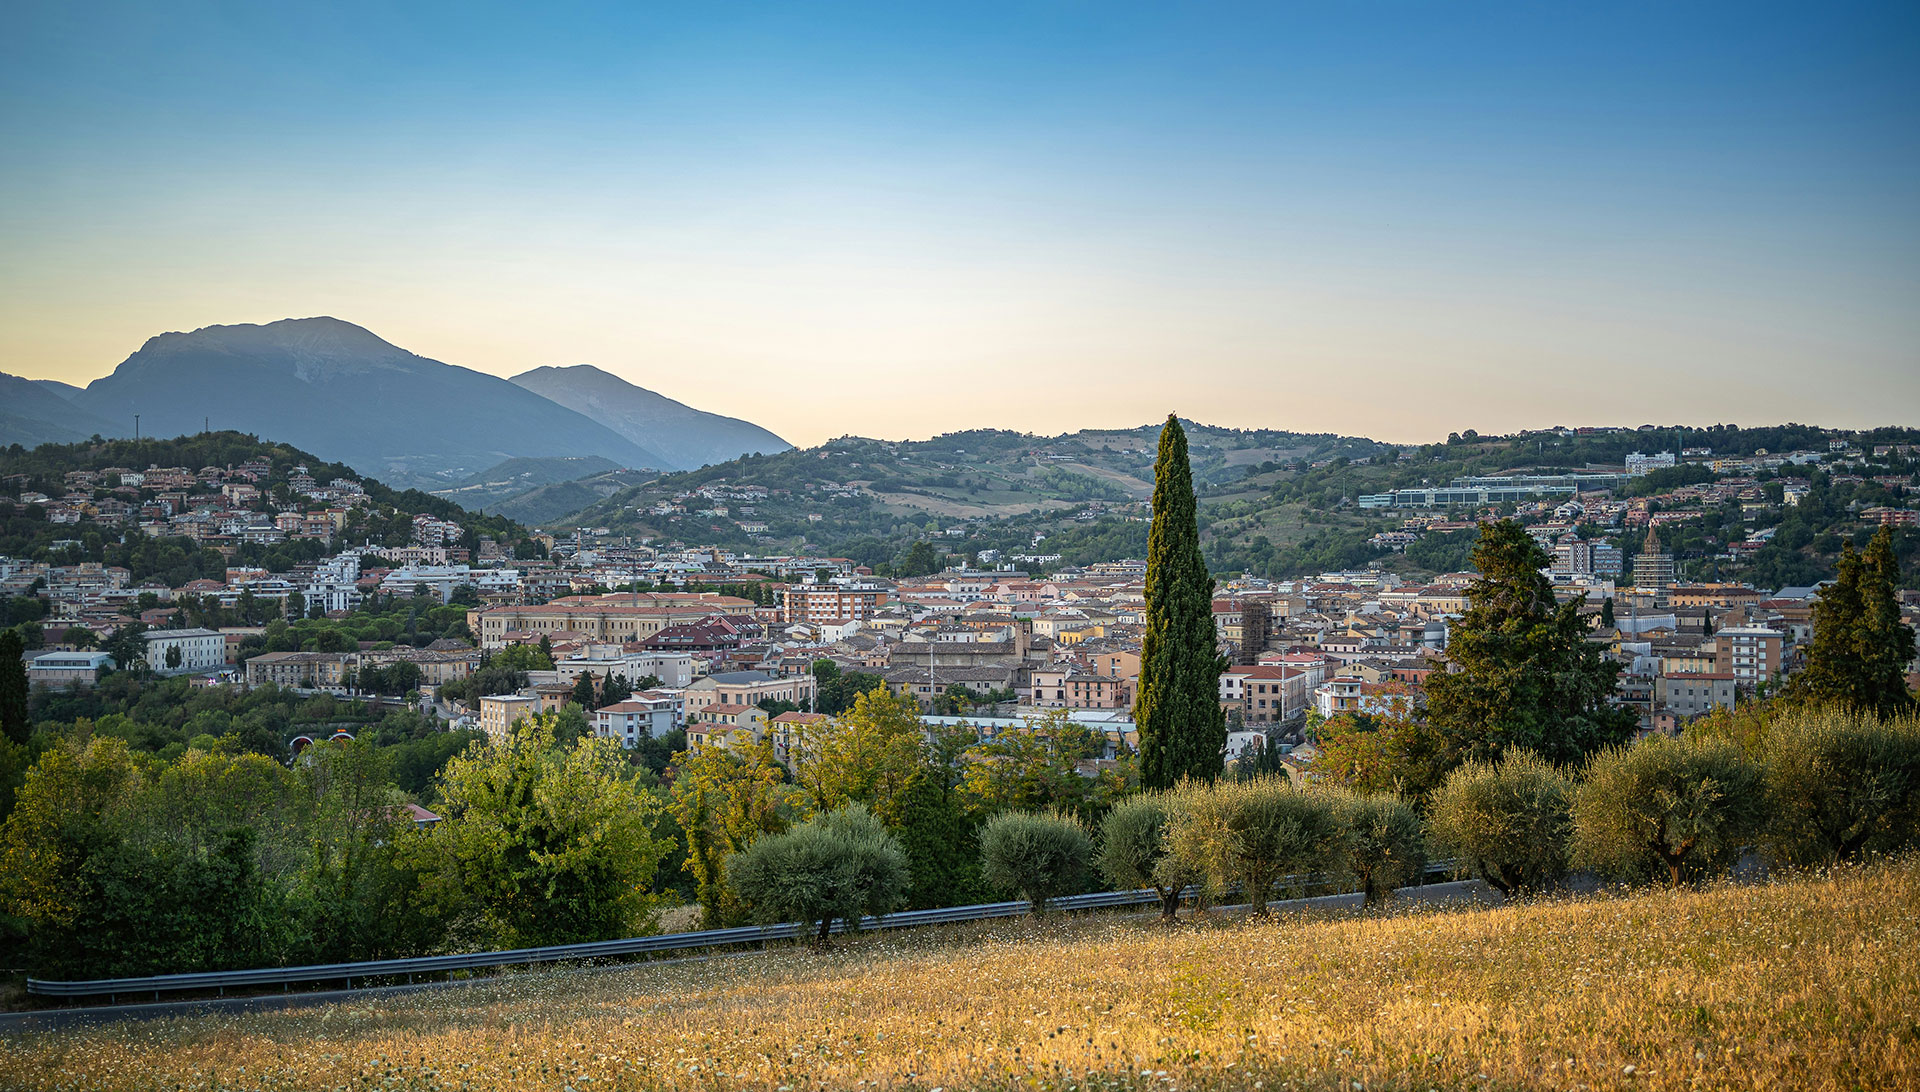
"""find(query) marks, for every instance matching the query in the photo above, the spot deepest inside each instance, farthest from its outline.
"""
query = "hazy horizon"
(1395, 221)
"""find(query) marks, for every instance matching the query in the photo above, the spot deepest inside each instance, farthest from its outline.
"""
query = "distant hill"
(64, 390)
(687, 437)
(341, 392)
(33, 412)
(516, 476)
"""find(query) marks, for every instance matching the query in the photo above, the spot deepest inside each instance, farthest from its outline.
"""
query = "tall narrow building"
(1653, 569)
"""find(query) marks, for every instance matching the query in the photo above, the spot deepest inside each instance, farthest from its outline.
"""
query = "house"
(715, 723)
(1264, 693)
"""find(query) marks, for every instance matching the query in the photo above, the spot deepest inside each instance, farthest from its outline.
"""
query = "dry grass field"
(1807, 984)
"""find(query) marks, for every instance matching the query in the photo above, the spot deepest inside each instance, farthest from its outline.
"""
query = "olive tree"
(1380, 842)
(1509, 820)
(1134, 851)
(1842, 784)
(1036, 856)
(1252, 833)
(837, 866)
(1682, 805)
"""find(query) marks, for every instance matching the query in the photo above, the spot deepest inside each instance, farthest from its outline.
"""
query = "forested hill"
(1276, 504)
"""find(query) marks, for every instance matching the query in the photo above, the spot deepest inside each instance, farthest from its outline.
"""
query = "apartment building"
(1691, 694)
(498, 713)
(1265, 694)
(635, 719)
(830, 602)
(1751, 654)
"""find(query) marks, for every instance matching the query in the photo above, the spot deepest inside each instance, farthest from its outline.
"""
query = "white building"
(200, 650)
(671, 668)
(628, 721)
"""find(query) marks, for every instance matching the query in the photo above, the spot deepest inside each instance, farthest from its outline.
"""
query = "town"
(729, 641)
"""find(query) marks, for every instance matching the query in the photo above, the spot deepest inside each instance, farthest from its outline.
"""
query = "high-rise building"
(1654, 567)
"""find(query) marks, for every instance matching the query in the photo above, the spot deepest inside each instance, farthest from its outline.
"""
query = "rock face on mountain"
(688, 438)
(35, 412)
(343, 393)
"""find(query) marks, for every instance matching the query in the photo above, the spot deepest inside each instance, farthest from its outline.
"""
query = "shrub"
(1685, 805)
(1380, 842)
(1134, 851)
(840, 865)
(1509, 819)
(1252, 833)
(1842, 784)
(1036, 856)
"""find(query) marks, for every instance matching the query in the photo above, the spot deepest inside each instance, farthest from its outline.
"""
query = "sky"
(1387, 219)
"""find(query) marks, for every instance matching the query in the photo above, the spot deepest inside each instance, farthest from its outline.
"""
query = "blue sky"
(1397, 219)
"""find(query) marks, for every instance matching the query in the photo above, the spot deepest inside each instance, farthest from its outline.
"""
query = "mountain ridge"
(689, 437)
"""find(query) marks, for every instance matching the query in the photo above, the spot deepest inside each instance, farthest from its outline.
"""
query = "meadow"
(1807, 983)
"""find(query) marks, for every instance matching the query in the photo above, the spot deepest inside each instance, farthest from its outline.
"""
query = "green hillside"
(1275, 504)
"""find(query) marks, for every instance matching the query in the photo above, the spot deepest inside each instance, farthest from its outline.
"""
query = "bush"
(1134, 851)
(1510, 820)
(1252, 833)
(1036, 856)
(840, 865)
(1842, 784)
(1683, 805)
(1380, 842)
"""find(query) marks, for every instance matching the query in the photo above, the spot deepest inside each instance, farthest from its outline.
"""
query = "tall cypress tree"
(13, 687)
(1182, 730)
(1860, 650)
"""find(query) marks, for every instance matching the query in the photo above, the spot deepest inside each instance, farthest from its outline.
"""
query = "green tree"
(1842, 784)
(1183, 733)
(837, 866)
(1511, 820)
(1253, 833)
(1135, 853)
(1382, 754)
(541, 845)
(863, 756)
(1035, 856)
(1685, 806)
(583, 693)
(724, 798)
(1521, 673)
(1860, 649)
(937, 837)
(14, 723)
(1380, 842)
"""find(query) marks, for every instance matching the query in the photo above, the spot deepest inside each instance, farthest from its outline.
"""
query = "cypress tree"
(13, 687)
(1860, 647)
(1182, 730)
(583, 692)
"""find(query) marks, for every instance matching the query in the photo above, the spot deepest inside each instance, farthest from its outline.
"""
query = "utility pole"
(136, 426)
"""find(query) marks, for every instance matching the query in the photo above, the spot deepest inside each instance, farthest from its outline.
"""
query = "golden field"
(1813, 983)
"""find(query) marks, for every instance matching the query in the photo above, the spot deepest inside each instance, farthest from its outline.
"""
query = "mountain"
(688, 437)
(32, 413)
(345, 394)
(64, 390)
(488, 488)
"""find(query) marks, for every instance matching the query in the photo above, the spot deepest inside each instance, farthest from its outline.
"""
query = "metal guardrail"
(605, 949)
